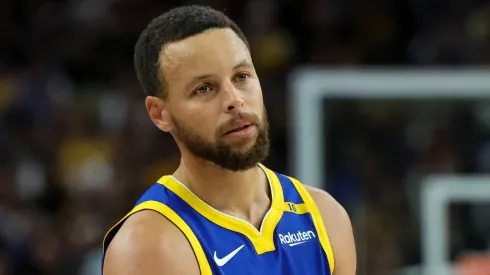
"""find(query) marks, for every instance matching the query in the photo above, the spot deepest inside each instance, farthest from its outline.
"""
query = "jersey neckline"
(263, 239)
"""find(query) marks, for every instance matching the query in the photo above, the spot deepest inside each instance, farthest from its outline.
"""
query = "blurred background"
(77, 148)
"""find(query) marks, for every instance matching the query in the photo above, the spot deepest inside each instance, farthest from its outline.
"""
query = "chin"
(242, 151)
(242, 146)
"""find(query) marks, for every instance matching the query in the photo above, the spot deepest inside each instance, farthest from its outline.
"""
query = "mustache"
(249, 117)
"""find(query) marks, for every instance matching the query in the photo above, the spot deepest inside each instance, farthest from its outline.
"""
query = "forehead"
(204, 53)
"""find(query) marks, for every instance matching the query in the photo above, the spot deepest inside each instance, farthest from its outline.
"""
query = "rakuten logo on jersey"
(300, 237)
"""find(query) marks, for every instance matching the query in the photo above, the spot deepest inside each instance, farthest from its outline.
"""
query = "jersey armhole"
(173, 217)
(317, 221)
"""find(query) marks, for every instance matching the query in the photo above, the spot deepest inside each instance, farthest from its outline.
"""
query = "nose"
(233, 99)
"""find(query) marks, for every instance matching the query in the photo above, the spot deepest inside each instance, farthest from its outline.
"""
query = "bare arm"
(150, 244)
(339, 229)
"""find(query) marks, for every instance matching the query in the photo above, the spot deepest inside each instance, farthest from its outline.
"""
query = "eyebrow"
(242, 64)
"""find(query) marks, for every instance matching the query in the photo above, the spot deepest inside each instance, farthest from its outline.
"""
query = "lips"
(238, 127)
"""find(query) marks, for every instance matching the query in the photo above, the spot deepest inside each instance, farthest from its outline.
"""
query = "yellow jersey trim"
(317, 221)
(167, 212)
(296, 208)
(262, 241)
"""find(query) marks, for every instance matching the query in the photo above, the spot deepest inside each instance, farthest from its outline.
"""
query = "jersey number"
(292, 207)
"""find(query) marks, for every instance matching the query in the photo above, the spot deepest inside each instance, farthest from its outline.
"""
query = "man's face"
(215, 105)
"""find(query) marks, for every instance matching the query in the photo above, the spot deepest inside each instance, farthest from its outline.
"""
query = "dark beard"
(223, 154)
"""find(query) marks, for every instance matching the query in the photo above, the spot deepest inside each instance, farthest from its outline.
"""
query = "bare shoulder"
(150, 244)
(328, 206)
(339, 230)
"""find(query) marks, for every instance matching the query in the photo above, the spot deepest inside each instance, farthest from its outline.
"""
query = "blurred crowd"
(77, 148)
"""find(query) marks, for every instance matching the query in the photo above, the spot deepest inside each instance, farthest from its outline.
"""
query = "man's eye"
(241, 77)
(203, 89)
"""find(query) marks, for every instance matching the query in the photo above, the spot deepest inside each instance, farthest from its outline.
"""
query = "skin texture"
(212, 86)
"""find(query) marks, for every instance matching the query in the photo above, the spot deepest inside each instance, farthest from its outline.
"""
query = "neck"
(244, 194)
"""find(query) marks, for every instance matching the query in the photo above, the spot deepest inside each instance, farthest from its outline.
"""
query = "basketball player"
(221, 211)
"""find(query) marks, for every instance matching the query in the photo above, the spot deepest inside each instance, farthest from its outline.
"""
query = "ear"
(157, 110)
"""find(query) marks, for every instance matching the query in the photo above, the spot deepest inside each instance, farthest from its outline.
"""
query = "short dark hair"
(175, 25)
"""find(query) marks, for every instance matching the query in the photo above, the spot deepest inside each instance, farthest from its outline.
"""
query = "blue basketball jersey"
(292, 239)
